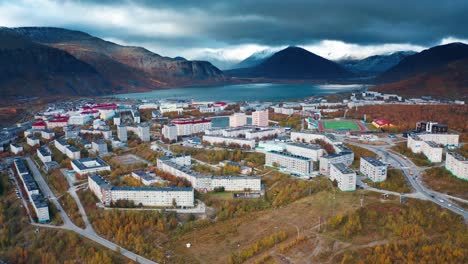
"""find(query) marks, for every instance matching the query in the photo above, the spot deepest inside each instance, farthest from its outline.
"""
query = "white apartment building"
(16, 148)
(236, 132)
(310, 137)
(44, 154)
(284, 110)
(373, 168)
(430, 149)
(236, 183)
(100, 147)
(79, 119)
(264, 133)
(344, 176)
(260, 118)
(457, 165)
(326, 161)
(440, 138)
(237, 120)
(89, 165)
(47, 134)
(37, 200)
(269, 145)
(72, 152)
(169, 132)
(146, 196)
(313, 152)
(32, 141)
(106, 133)
(141, 130)
(167, 108)
(186, 127)
(294, 163)
(122, 133)
(180, 167)
(229, 140)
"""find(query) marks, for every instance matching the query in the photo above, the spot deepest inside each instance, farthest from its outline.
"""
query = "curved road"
(407, 165)
(69, 225)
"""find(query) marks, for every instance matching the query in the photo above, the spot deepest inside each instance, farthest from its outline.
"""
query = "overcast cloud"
(235, 29)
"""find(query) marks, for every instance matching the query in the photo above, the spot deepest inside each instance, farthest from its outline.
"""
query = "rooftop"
(313, 146)
(342, 168)
(89, 163)
(288, 155)
(458, 156)
(373, 161)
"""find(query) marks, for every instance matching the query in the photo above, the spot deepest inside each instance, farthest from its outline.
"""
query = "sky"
(234, 29)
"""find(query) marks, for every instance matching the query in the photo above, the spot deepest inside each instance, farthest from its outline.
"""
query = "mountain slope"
(31, 69)
(256, 58)
(425, 61)
(449, 81)
(376, 64)
(127, 67)
(294, 63)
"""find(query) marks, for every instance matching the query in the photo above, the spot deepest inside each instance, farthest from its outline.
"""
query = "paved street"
(69, 225)
(407, 166)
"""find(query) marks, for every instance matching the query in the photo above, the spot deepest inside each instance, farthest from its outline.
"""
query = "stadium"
(337, 125)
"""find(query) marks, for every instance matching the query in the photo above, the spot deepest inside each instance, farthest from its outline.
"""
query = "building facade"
(457, 164)
(294, 163)
(373, 168)
(260, 118)
(344, 176)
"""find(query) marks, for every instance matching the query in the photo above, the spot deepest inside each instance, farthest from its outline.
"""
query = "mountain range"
(374, 65)
(120, 68)
(42, 61)
(294, 63)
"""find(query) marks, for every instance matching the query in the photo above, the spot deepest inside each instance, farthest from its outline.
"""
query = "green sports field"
(340, 125)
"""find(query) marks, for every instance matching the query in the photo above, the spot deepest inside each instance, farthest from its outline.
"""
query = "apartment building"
(432, 150)
(237, 120)
(313, 152)
(179, 166)
(187, 127)
(262, 133)
(344, 176)
(250, 143)
(294, 163)
(37, 200)
(373, 168)
(342, 157)
(32, 141)
(260, 118)
(146, 196)
(15, 148)
(457, 164)
(44, 154)
(100, 146)
(169, 132)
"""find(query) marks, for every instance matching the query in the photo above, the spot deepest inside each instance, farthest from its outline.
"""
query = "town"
(162, 155)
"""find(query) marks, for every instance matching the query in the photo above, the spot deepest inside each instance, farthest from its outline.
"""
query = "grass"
(340, 125)
(395, 182)
(215, 242)
(441, 180)
(71, 208)
(358, 153)
(418, 159)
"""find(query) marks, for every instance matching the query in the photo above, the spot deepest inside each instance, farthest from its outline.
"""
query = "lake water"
(244, 92)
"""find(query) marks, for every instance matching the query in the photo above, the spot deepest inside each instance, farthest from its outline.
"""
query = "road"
(407, 166)
(69, 225)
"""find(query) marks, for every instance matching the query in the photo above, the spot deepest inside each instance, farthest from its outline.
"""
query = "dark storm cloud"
(284, 22)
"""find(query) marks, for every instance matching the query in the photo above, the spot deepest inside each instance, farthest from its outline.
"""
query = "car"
(432, 196)
(449, 204)
(440, 200)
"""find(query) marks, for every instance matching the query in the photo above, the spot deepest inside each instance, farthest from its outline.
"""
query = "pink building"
(237, 120)
(260, 118)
